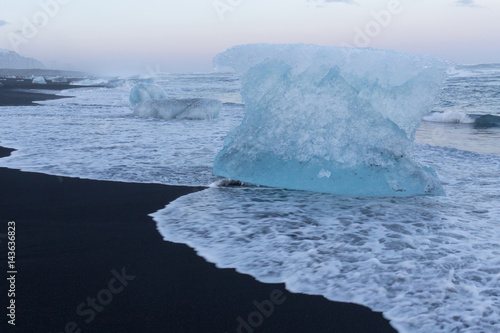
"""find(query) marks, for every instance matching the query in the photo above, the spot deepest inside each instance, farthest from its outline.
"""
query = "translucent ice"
(39, 80)
(145, 92)
(187, 108)
(329, 119)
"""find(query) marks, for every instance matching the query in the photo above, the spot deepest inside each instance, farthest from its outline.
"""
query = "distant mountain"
(12, 60)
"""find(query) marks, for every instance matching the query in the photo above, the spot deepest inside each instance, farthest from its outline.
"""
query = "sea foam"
(449, 117)
(429, 263)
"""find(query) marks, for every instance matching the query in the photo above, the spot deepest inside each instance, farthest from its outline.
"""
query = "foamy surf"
(430, 264)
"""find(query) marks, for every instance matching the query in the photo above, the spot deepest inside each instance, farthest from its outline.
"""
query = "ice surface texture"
(145, 92)
(327, 119)
(39, 80)
(186, 108)
(150, 101)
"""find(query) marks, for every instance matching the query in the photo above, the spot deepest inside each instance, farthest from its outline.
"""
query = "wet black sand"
(72, 233)
(23, 92)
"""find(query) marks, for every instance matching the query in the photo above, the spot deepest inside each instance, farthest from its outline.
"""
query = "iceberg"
(330, 119)
(150, 101)
(145, 92)
(187, 108)
(39, 80)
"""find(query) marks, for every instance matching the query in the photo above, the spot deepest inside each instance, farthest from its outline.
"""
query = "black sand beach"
(82, 240)
(23, 98)
(21, 91)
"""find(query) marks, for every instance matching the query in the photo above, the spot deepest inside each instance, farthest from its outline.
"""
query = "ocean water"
(95, 135)
(467, 114)
(430, 264)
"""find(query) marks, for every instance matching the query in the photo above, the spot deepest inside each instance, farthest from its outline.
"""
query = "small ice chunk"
(144, 92)
(188, 108)
(39, 80)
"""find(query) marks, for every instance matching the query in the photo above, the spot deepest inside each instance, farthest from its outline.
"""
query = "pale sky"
(184, 36)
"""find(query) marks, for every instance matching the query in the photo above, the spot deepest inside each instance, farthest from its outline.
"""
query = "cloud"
(2, 23)
(466, 3)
